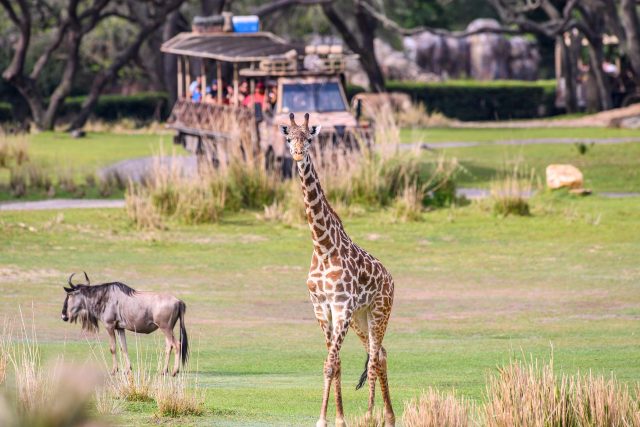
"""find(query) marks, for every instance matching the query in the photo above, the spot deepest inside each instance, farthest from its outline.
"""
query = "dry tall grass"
(511, 189)
(178, 396)
(52, 394)
(14, 150)
(375, 420)
(530, 394)
(437, 409)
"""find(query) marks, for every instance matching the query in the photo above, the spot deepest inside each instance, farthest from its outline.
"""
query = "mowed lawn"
(472, 291)
(607, 167)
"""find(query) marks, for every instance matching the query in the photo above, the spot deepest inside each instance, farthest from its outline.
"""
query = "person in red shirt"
(258, 96)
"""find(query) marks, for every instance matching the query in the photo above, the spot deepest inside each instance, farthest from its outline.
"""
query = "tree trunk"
(631, 25)
(596, 58)
(571, 99)
(170, 62)
(63, 89)
(365, 50)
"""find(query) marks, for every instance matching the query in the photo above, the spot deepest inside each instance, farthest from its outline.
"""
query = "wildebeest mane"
(96, 297)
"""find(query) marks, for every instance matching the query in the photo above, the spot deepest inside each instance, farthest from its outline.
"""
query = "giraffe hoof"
(389, 421)
(340, 422)
(321, 423)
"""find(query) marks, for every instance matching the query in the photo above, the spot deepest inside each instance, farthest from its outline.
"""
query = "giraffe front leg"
(333, 367)
(325, 325)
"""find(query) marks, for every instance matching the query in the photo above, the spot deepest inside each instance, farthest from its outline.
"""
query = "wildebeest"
(120, 307)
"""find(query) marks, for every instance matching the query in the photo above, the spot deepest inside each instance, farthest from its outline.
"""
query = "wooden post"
(236, 85)
(180, 77)
(187, 72)
(219, 70)
(203, 76)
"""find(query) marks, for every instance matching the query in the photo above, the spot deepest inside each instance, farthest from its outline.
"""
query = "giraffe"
(347, 286)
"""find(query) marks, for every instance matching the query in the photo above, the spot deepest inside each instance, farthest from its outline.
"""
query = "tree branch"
(394, 26)
(276, 5)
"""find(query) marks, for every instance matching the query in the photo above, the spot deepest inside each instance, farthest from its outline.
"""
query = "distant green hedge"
(6, 112)
(479, 100)
(140, 106)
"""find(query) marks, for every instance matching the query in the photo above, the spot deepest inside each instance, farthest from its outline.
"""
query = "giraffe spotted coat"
(348, 287)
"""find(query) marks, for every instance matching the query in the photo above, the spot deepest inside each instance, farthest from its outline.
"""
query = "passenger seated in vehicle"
(197, 83)
(212, 92)
(196, 95)
(258, 96)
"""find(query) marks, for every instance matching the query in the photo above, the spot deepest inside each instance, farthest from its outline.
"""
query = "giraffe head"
(299, 137)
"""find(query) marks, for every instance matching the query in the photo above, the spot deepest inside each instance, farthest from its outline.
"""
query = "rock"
(559, 176)
(78, 133)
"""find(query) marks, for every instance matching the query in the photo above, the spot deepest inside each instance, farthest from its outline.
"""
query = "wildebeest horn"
(71, 284)
(87, 277)
(67, 290)
(306, 121)
(293, 122)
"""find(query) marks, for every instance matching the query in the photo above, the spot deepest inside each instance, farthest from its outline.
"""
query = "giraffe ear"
(284, 129)
(315, 130)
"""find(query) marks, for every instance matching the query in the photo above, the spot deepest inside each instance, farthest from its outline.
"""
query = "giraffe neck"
(325, 225)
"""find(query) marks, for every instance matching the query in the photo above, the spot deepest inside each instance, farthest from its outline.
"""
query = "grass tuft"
(375, 420)
(437, 409)
(177, 396)
(510, 191)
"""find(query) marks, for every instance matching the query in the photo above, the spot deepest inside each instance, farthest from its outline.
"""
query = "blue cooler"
(246, 24)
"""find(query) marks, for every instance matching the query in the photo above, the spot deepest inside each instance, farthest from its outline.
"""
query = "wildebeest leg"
(176, 355)
(123, 347)
(112, 349)
(168, 339)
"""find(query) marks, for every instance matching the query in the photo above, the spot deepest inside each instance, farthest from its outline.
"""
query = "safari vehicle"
(294, 80)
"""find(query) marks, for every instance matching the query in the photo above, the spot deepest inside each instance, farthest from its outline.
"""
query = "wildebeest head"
(75, 305)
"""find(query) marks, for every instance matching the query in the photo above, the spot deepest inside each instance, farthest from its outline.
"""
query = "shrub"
(437, 409)
(476, 100)
(144, 106)
(6, 112)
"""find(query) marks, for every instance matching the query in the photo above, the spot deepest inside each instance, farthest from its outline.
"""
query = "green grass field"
(472, 290)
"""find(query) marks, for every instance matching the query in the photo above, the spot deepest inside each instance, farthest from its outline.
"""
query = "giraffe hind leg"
(361, 328)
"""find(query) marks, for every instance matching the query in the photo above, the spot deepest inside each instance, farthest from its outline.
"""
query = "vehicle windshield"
(312, 97)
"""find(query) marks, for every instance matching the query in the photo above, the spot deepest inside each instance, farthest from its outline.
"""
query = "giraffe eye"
(289, 140)
(309, 140)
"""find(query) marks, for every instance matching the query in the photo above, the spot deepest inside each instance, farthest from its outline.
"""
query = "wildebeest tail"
(184, 339)
(363, 377)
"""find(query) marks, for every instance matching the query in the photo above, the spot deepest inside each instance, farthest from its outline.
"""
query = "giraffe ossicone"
(348, 287)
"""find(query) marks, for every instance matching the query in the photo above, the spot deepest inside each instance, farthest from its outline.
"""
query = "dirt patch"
(13, 274)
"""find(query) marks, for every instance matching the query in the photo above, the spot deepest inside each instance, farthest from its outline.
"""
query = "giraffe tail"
(363, 377)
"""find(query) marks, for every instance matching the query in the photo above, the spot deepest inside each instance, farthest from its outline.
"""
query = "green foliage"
(143, 106)
(474, 100)
(6, 112)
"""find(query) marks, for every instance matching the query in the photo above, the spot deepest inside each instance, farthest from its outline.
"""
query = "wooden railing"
(213, 119)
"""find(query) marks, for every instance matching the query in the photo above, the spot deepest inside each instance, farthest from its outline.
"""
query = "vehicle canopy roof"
(229, 47)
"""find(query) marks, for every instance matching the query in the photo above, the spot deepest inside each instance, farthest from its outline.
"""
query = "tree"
(148, 17)
(62, 26)
(593, 19)
(66, 25)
